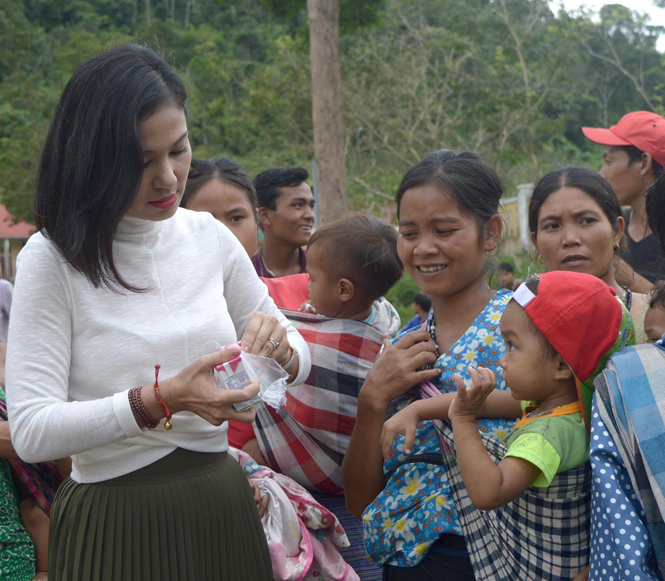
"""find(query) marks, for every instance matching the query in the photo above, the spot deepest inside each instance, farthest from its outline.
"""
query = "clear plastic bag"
(241, 370)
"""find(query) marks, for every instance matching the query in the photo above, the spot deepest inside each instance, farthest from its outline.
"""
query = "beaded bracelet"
(139, 409)
(167, 423)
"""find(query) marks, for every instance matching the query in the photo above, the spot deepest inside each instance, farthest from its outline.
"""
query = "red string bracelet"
(167, 424)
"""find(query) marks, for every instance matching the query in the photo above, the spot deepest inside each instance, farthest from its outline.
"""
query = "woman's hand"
(468, 402)
(264, 335)
(400, 367)
(194, 390)
(40, 576)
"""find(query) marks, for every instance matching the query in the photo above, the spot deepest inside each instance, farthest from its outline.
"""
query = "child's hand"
(307, 307)
(403, 422)
(468, 402)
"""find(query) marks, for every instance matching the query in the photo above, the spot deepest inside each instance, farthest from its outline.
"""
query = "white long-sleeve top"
(75, 351)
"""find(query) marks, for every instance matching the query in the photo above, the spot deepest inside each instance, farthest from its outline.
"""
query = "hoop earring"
(539, 259)
(617, 247)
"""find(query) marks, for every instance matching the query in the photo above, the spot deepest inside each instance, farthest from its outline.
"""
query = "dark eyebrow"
(236, 209)
(172, 145)
(299, 201)
(445, 220)
(507, 334)
(548, 217)
(575, 215)
(586, 211)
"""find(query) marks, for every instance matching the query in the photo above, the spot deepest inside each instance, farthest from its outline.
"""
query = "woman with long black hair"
(119, 301)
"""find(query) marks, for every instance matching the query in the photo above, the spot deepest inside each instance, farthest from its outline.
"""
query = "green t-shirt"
(554, 444)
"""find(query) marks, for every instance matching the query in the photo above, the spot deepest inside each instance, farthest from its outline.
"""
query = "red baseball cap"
(581, 317)
(642, 129)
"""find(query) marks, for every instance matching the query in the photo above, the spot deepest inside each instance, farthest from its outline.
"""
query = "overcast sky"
(643, 6)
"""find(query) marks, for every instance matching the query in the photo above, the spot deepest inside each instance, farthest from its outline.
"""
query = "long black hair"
(574, 177)
(656, 210)
(463, 175)
(203, 170)
(92, 163)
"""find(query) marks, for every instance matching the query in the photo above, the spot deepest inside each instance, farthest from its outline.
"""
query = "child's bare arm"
(497, 404)
(36, 523)
(489, 485)
(6, 448)
(64, 466)
(406, 421)
(252, 448)
(500, 405)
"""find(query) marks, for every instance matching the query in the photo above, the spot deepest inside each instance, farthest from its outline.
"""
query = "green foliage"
(354, 14)
(510, 79)
(401, 297)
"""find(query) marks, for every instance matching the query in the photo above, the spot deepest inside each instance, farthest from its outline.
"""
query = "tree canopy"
(513, 80)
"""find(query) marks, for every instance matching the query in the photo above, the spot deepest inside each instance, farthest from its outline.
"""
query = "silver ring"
(274, 343)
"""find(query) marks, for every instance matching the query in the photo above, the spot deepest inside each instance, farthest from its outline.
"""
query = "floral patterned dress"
(414, 508)
(17, 553)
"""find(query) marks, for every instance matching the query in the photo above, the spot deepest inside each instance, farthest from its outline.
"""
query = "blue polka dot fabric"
(620, 545)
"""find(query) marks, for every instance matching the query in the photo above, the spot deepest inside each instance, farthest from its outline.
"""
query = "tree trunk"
(204, 123)
(148, 18)
(327, 107)
(188, 7)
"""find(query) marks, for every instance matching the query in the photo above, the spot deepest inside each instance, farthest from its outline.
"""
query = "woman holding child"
(448, 223)
(119, 301)
(523, 490)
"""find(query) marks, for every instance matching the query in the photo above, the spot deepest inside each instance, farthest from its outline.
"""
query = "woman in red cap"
(632, 161)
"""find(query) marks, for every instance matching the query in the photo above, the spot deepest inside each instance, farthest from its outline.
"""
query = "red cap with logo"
(642, 129)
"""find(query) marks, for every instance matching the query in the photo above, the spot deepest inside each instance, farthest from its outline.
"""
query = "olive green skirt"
(187, 517)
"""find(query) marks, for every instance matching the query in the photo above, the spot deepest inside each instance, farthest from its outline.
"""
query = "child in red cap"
(559, 328)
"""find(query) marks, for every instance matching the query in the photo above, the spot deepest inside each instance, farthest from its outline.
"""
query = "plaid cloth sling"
(39, 481)
(308, 437)
(631, 404)
(542, 535)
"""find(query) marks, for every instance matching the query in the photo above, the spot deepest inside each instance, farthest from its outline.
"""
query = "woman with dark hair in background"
(576, 224)
(447, 211)
(223, 188)
(118, 282)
